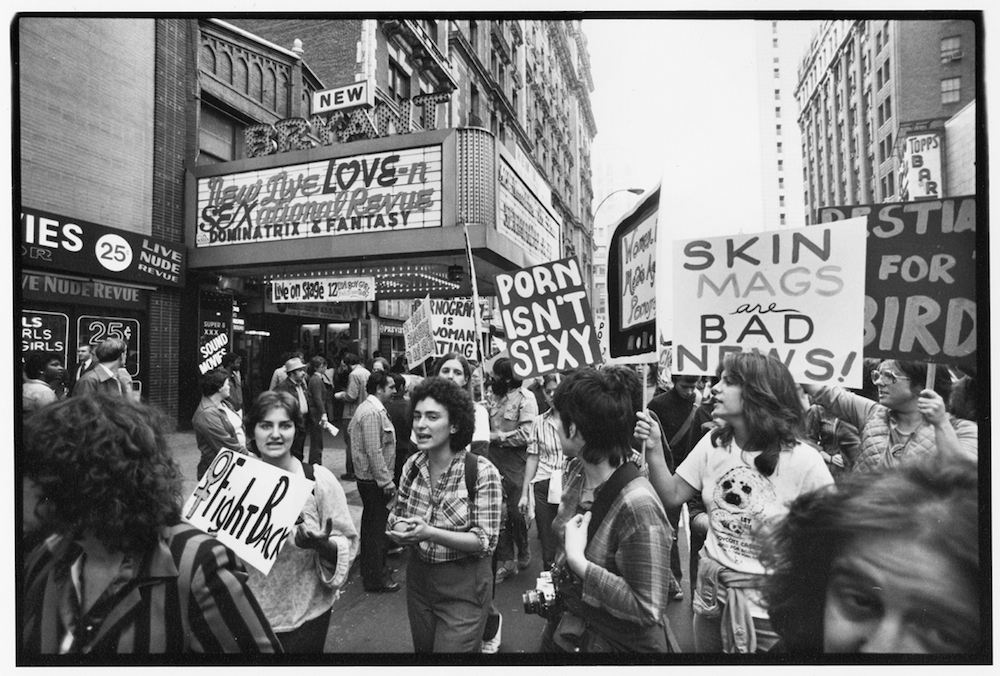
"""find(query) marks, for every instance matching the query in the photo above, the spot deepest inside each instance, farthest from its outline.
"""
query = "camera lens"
(532, 602)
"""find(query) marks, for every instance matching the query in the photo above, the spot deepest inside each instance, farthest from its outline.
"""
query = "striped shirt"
(447, 506)
(189, 593)
(543, 441)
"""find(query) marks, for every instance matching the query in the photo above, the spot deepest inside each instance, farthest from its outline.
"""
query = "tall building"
(223, 166)
(779, 45)
(864, 87)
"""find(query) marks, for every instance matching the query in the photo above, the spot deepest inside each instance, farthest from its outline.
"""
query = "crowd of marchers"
(822, 520)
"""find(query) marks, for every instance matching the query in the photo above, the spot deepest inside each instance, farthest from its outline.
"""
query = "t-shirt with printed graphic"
(740, 500)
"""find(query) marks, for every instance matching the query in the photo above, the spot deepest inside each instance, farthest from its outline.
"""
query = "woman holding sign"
(908, 419)
(305, 580)
(747, 472)
(448, 509)
(122, 573)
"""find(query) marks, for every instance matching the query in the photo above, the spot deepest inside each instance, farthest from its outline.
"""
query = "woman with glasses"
(907, 421)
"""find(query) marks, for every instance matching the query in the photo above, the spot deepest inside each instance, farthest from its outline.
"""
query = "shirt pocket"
(511, 416)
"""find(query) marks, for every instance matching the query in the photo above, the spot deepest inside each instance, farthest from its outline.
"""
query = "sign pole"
(931, 376)
(475, 303)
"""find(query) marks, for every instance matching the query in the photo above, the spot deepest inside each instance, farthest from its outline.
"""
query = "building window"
(781, 165)
(777, 94)
(474, 35)
(782, 216)
(774, 27)
(220, 137)
(951, 90)
(779, 147)
(774, 43)
(781, 183)
(776, 59)
(777, 111)
(474, 106)
(888, 108)
(777, 73)
(781, 200)
(777, 129)
(951, 49)
(399, 82)
(892, 186)
(430, 27)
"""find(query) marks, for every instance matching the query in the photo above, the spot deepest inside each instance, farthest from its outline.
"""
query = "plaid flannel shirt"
(629, 556)
(446, 505)
(373, 442)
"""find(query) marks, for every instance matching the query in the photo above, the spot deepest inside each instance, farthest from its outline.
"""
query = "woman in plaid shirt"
(449, 581)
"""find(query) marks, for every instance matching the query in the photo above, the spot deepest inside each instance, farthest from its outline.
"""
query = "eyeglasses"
(887, 377)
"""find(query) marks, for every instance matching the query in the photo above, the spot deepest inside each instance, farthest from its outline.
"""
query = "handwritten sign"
(418, 336)
(632, 285)
(796, 293)
(249, 505)
(547, 318)
(453, 325)
(920, 284)
(323, 289)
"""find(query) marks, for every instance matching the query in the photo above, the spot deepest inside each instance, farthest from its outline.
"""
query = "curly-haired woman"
(449, 578)
(746, 471)
(122, 573)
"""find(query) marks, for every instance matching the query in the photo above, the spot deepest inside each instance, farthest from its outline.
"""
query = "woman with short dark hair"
(123, 573)
(216, 425)
(886, 563)
(453, 531)
(612, 535)
(746, 471)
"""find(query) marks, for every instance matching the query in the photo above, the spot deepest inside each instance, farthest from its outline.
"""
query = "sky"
(674, 100)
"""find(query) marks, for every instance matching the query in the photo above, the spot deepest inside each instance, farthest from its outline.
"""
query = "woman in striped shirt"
(122, 573)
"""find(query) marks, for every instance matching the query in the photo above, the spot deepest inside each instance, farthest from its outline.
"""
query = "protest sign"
(249, 505)
(417, 334)
(632, 286)
(795, 293)
(920, 284)
(453, 325)
(547, 318)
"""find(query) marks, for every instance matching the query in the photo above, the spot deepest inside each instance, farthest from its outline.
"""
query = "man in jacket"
(295, 385)
(352, 396)
(110, 355)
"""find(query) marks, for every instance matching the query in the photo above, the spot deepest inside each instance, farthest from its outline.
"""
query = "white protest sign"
(453, 325)
(417, 334)
(797, 293)
(323, 289)
(547, 319)
(249, 505)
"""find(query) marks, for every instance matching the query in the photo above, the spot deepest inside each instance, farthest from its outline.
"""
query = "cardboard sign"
(453, 325)
(249, 505)
(920, 284)
(632, 285)
(796, 293)
(547, 318)
(418, 336)
(323, 290)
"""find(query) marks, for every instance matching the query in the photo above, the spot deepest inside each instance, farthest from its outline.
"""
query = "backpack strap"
(622, 476)
(471, 473)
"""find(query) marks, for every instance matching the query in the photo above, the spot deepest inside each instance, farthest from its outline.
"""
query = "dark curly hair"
(933, 501)
(103, 468)
(456, 401)
(262, 405)
(212, 382)
(771, 406)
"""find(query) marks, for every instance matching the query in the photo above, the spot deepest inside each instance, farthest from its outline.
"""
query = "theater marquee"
(374, 192)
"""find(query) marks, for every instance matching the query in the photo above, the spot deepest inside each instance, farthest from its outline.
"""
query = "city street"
(377, 623)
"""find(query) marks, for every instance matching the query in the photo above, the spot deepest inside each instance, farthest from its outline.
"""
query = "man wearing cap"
(295, 385)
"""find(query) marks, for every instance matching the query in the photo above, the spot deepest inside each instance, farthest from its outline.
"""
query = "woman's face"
(54, 371)
(431, 425)
(274, 435)
(897, 394)
(225, 389)
(453, 371)
(897, 595)
(728, 398)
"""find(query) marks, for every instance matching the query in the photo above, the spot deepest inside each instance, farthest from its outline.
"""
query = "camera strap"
(621, 477)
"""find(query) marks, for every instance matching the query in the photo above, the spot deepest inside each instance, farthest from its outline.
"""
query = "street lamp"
(634, 191)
